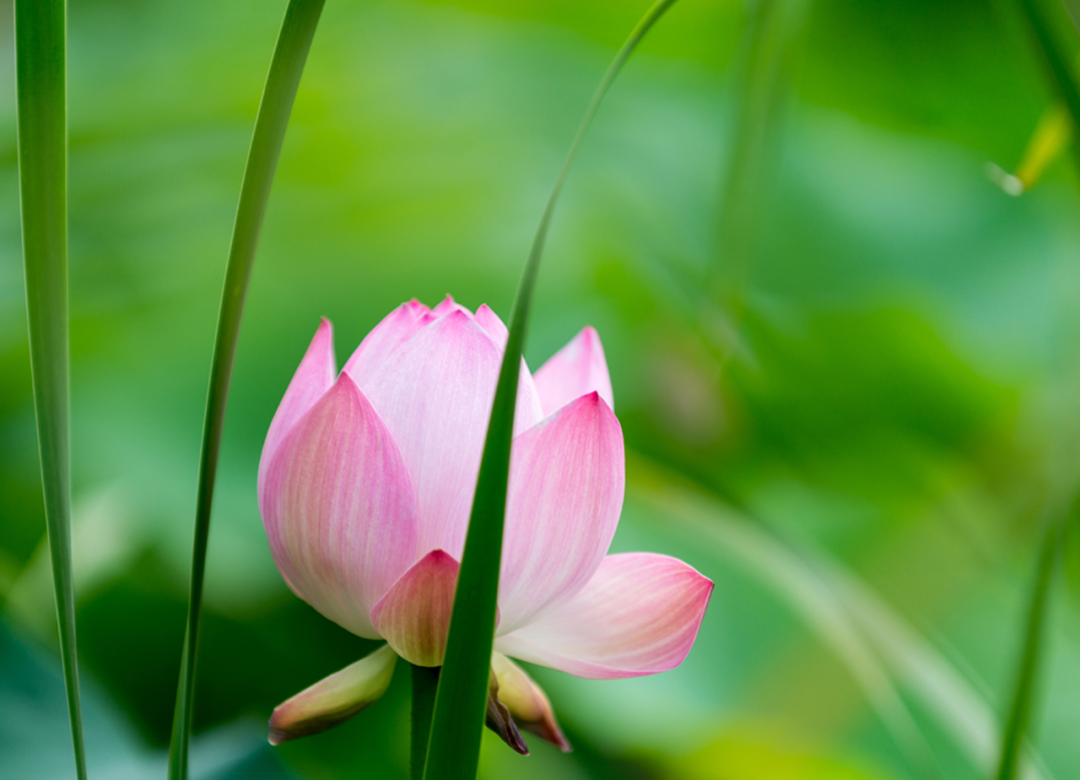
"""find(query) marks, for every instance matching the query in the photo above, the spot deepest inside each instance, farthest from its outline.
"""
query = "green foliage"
(41, 71)
(907, 383)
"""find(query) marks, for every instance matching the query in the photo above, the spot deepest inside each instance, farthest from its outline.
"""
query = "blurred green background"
(845, 362)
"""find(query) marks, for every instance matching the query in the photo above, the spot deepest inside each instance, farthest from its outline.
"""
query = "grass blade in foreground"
(290, 54)
(460, 703)
(1020, 707)
(1060, 74)
(41, 75)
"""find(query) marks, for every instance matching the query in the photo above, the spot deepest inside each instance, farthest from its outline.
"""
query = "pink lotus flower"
(366, 483)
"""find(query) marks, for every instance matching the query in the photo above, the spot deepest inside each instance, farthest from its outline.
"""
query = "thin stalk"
(41, 80)
(282, 81)
(1059, 73)
(1020, 709)
(461, 701)
(425, 681)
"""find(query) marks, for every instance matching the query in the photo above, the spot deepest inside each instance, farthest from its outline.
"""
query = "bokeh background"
(844, 359)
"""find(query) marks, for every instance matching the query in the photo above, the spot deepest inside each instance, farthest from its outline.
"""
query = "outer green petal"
(334, 699)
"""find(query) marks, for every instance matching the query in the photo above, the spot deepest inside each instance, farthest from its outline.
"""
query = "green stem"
(1056, 65)
(1020, 710)
(41, 78)
(425, 681)
(461, 702)
(282, 81)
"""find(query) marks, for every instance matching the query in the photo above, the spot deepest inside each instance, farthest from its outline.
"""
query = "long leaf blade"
(460, 702)
(1016, 726)
(1062, 79)
(41, 77)
(282, 81)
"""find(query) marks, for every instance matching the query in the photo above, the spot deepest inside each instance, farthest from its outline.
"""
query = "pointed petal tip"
(579, 367)
(414, 615)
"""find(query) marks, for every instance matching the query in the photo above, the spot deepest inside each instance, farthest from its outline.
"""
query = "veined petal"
(492, 325)
(310, 382)
(334, 699)
(339, 508)
(527, 702)
(414, 616)
(435, 393)
(638, 615)
(567, 480)
(576, 369)
(394, 330)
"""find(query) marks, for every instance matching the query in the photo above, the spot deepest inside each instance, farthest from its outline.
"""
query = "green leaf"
(461, 700)
(41, 76)
(290, 54)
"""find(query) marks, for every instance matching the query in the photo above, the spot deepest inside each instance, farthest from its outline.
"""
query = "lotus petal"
(310, 382)
(492, 325)
(394, 330)
(567, 479)
(339, 508)
(435, 394)
(638, 615)
(576, 369)
(414, 616)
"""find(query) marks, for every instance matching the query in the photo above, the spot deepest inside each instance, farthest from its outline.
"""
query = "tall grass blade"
(1020, 709)
(1058, 68)
(460, 702)
(41, 78)
(282, 81)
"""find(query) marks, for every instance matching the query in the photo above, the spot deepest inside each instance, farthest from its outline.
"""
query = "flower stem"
(290, 54)
(425, 681)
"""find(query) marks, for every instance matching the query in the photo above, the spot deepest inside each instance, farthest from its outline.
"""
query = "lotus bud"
(334, 699)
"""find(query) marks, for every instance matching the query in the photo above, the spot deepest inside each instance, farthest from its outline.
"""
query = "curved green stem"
(290, 54)
(461, 702)
(1020, 709)
(41, 76)
(425, 681)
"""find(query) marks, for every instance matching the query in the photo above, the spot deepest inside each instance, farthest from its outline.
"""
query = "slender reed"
(41, 80)
(460, 703)
(1060, 75)
(290, 54)
(1016, 726)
